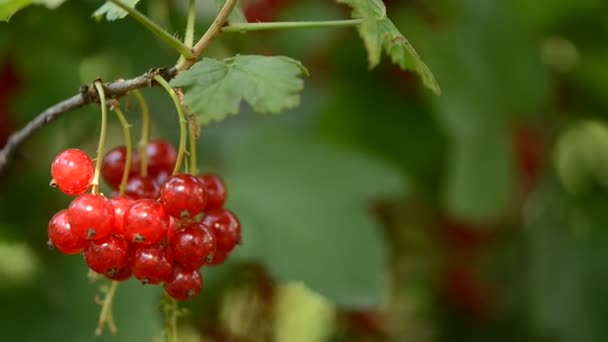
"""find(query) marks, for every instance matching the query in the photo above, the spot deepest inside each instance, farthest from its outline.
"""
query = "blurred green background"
(376, 211)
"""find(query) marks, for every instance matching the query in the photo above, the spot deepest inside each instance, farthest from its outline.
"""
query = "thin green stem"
(183, 130)
(126, 130)
(106, 316)
(189, 37)
(172, 312)
(247, 27)
(145, 132)
(154, 28)
(193, 165)
(102, 136)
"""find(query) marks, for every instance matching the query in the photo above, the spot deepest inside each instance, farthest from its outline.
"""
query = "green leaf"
(113, 12)
(236, 16)
(305, 208)
(214, 88)
(378, 32)
(10, 7)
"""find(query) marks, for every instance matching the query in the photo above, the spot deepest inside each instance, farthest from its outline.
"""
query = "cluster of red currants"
(163, 230)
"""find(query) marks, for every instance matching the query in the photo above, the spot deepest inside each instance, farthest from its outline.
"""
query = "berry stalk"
(183, 130)
(102, 136)
(129, 145)
(145, 132)
(106, 317)
(193, 165)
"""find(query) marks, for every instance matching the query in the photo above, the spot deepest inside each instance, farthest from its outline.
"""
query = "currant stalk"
(106, 317)
(145, 132)
(102, 136)
(128, 146)
(193, 165)
(182, 122)
(247, 27)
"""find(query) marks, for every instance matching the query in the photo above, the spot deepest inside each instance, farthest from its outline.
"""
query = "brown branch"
(113, 90)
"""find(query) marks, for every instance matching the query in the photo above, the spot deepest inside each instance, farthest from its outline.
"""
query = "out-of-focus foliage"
(376, 211)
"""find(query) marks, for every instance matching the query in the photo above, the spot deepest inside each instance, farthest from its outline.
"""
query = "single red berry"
(91, 216)
(192, 246)
(120, 204)
(184, 283)
(151, 264)
(162, 177)
(174, 226)
(141, 187)
(183, 196)
(121, 275)
(107, 256)
(61, 235)
(218, 258)
(146, 222)
(226, 228)
(72, 171)
(216, 190)
(113, 165)
(161, 157)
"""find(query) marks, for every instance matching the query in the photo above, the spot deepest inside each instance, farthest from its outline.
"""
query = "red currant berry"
(72, 171)
(151, 264)
(145, 222)
(218, 258)
(161, 157)
(113, 165)
(139, 187)
(174, 226)
(226, 228)
(162, 177)
(216, 190)
(107, 256)
(121, 275)
(91, 216)
(183, 196)
(192, 246)
(184, 284)
(120, 204)
(61, 235)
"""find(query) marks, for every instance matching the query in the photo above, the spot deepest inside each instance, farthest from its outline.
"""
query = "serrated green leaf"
(113, 12)
(236, 16)
(305, 210)
(214, 88)
(378, 32)
(10, 7)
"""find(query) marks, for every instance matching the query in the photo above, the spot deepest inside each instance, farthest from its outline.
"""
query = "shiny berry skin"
(113, 165)
(107, 256)
(226, 228)
(120, 204)
(72, 171)
(141, 187)
(145, 222)
(61, 235)
(161, 177)
(91, 216)
(184, 284)
(218, 258)
(151, 264)
(174, 226)
(183, 196)
(216, 190)
(121, 275)
(192, 246)
(161, 157)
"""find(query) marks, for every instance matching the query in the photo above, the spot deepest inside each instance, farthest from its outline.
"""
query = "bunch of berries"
(163, 230)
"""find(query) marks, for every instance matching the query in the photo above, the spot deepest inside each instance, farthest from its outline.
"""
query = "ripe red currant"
(184, 284)
(192, 246)
(113, 165)
(218, 258)
(161, 157)
(216, 190)
(72, 171)
(121, 275)
(107, 256)
(141, 187)
(120, 204)
(151, 264)
(91, 216)
(183, 196)
(226, 228)
(61, 235)
(145, 222)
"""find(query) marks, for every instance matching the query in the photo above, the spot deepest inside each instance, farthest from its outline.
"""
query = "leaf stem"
(126, 130)
(183, 130)
(154, 28)
(145, 132)
(102, 136)
(212, 31)
(106, 316)
(248, 27)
